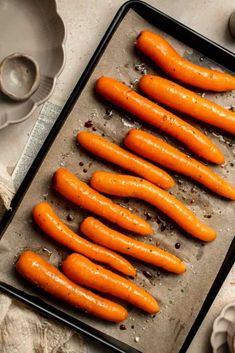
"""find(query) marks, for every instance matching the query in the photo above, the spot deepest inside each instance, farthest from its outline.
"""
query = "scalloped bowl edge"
(54, 79)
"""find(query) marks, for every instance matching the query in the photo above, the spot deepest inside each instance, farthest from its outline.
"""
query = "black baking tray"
(189, 37)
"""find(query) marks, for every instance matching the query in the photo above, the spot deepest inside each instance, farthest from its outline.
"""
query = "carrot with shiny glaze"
(146, 110)
(47, 277)
(126, 185)
(161, 152)
(113, 153)
(165, 56)
(68, 185)
(188, 102)
(53, 226)
(84, 272)
(112, 239)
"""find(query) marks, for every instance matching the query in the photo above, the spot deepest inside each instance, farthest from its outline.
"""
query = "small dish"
(221, 338)
(19, 76)
(39, 32)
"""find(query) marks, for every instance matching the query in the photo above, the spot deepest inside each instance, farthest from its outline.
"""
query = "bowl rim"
(54, 79)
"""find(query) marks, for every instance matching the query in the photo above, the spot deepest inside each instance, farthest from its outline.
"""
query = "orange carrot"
(164, 55)
(112, 239)
(47, 277)
(161, 152)
(124, 97)
(126, 185)
(68, 185)
(53, 226)
(186, 101)
(84, 272)
(113, 153)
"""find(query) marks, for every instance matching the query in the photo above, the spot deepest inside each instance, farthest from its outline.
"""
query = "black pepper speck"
(70, 218)
(147, 274)
(88, 124)
(122, 327)
(177, 245)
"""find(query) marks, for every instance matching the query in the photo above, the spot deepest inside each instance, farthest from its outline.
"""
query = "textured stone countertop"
(86, 21)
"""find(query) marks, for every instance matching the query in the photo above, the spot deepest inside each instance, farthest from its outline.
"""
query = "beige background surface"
(86, 22)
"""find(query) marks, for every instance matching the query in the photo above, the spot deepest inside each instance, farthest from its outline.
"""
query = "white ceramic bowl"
(37, 31)
(224, 330)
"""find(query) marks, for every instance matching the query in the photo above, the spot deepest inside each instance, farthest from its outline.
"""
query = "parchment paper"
(180, 297)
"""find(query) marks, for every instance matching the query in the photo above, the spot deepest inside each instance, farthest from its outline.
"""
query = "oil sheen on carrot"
(126, 185)
(48, 278)
(126, 98)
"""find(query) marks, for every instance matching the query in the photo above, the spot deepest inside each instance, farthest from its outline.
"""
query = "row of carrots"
(150, 185)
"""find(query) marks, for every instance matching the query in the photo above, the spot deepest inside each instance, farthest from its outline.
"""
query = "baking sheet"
(180, 297)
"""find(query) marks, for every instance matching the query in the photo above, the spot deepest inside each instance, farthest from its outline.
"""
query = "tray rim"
(176, 29)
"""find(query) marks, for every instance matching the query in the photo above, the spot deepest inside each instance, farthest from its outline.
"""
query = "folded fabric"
(7, 189)
(24, 331)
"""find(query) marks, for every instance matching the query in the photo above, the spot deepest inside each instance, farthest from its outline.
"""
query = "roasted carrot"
(146, 110)
(53, 226)
(188, 102)
(84, 272)
(165, 56)
(113, 153)
(126, 185)
(47, 277)
(161, 152)
(112, 239)
(68, 185)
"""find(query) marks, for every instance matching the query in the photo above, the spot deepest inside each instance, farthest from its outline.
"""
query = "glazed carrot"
(164, 55)
(113, 153)
(146, 110)
(84, 272)
(53, 226)
(47, 277)
(161, 152)
(112, 239)
(68, 185)
(126, 185)
(186, 101)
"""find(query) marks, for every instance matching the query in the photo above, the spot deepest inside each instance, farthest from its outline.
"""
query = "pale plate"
(224, 321)
(36, 29)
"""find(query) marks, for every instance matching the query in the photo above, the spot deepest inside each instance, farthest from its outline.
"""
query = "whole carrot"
(164, 55)
(161, 152)
(53, 226)
(146, 110)
(68, 185)
(84, 272)
(112, 239)
(126, 185)
(47, 277)
(113, 153)
(186, 101)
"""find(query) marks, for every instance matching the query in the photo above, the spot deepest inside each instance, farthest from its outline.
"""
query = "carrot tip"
(182, 268)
